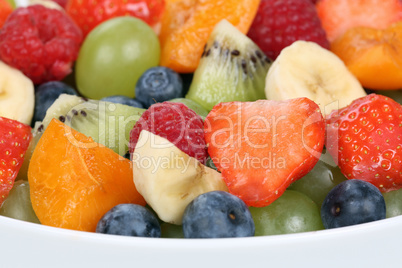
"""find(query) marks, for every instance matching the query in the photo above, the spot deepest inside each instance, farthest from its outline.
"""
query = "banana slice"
(168, 178)
(17, 95)
(305, 69)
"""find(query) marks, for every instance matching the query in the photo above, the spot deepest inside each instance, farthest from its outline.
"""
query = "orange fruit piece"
(74, 181)
(5, 11)
(374, 56)
(337, 16)
(187, 24)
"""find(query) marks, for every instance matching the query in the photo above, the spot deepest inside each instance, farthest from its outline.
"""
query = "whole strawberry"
(14, 141)
(89, 13)
(365, 138)
(279, 23)
(41, 42)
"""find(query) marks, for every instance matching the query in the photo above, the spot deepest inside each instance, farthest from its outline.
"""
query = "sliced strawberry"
(365, 138)
(88, 13)
(262, 147)
(337, 16)
(14, 141)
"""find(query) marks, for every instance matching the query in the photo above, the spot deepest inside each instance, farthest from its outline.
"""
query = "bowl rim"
(370, 244)
(46, 231)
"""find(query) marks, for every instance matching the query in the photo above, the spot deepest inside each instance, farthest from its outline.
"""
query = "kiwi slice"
(197, 108)
(232, 68)
(106, 123)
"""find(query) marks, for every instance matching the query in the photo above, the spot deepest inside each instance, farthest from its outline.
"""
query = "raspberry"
(175, 122)
(41, 42)
(279, 23)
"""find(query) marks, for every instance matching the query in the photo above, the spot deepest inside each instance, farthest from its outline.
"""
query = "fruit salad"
(200, 119)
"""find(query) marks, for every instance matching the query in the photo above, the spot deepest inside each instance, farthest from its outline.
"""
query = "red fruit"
(62, 3)
(5, 11)
(14, 141)
(279, 23)
(365, 138)
(43, 43)
(337, 16)
(89, 13)
(176, 123)
(262, 147)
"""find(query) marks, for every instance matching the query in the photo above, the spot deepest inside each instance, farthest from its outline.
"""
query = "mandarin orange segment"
(75, 181)
(187, 24)
(5, 10)
(373, 56)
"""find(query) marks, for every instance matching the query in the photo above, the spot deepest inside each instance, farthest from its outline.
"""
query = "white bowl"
(376, 244)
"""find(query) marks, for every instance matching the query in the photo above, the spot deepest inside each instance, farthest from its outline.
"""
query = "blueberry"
(158, 84)
(129, 220)
(217, 214)
(46, 94)
(352, 202)
(123, 100)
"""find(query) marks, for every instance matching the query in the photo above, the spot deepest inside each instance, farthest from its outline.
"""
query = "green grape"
(114, 55)
(293, 212)
(393, 203)
(18, 203)
(171, 230)
(319, 181)
(201, 111)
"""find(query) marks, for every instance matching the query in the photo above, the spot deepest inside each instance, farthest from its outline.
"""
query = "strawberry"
(14, 141)
(89, 13)
(337, 16)
(262, 147)
(62, 3)
(279, 23)
(365, 138)
(5, 11)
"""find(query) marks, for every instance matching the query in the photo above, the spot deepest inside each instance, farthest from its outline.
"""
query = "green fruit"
(12, 3)
(171, 230)
(210, 163)
(18, 203)
(319, 181)
(193, 106)
(114, 55)
(293, 212)
(23, 172)
(393, 203)
(232, 68)
(107, 123)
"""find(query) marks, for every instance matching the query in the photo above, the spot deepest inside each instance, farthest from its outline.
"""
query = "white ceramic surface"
(376, 244)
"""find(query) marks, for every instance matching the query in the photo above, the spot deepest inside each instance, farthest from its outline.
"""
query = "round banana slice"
(17, 95)
(305, 69)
